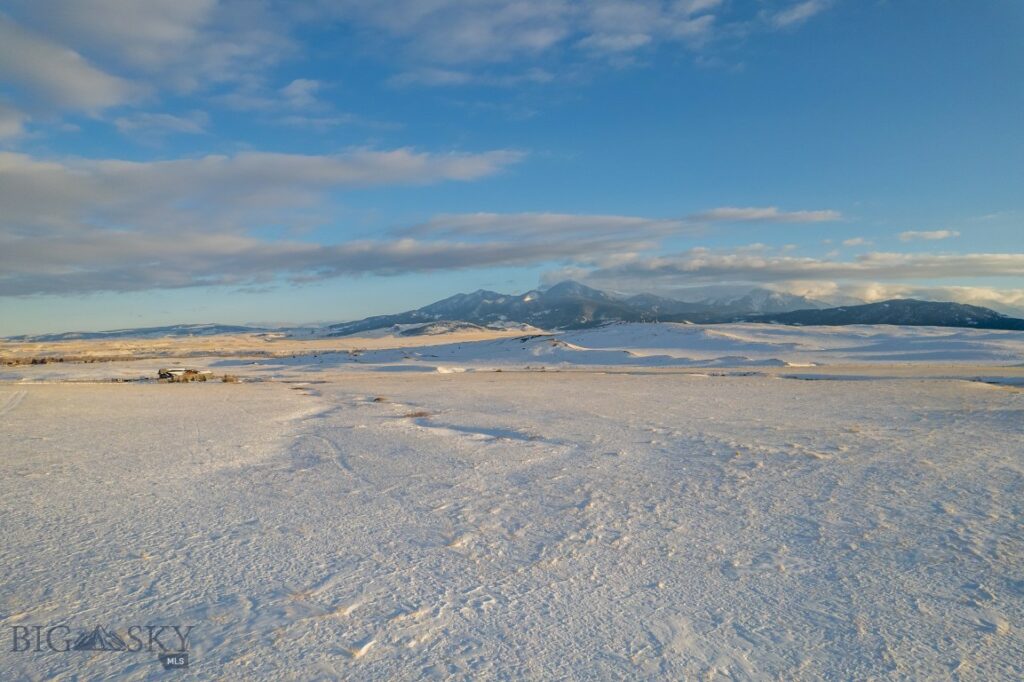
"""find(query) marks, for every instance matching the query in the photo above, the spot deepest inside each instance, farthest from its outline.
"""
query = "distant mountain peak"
(572, 288)
(759, 300)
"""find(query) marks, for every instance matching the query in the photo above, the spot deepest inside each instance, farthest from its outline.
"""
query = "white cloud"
(324, 123)
(71, 56)
(39, 193)
(150, 124)
(765, 214)
(615, 42)
(867, 278)
(301, 93)
(460, 31)
(180, 44)
(296, 104)
(1009, 301)
(856, 241)
(534, 224)
(141, 35)
(934, 235)
(81, 225)
(12, 121)
(443, 33)
(437, 77)
(703, 265)
(431, 76)
(545, 226)
(107, 260)
(55, 76)
(86, 225)
(613, 26)
(798, 13)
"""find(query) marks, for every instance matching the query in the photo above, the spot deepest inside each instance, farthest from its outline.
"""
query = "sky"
(185, 161)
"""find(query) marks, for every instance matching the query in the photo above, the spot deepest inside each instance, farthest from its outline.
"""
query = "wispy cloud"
(544, 225)
(532, 225)
(769, 214)
(65, 56)
(798, 13)
(301, 93)
(159, 124)
(12, 121)
(439, 77)
(933, 235)
(439, 36)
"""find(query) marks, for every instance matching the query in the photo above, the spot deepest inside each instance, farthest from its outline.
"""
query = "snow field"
(484, 525)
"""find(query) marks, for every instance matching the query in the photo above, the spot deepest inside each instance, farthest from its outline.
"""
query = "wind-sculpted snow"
(488, 525)
(531, 351)
(636, 345)
(851, 344)
(679, 345)
(663, 502)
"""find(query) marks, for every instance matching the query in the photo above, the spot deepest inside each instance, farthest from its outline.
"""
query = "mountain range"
(143, 332)
(903, 311)
(571, 305)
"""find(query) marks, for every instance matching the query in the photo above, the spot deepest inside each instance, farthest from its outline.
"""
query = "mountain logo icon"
(100, 639)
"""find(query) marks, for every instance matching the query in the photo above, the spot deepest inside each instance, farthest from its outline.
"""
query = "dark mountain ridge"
(901, 311)
(571, 305)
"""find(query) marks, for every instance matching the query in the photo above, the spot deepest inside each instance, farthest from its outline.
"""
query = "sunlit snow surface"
(661, 502)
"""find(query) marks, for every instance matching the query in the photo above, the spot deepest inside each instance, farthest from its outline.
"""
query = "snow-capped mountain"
(571, 305)
(565, 305)
(762, 301)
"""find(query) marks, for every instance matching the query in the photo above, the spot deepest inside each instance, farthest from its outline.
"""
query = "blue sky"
(206, 160)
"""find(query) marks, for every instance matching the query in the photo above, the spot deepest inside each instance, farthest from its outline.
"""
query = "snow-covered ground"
(680, 518)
